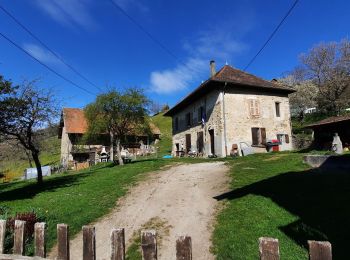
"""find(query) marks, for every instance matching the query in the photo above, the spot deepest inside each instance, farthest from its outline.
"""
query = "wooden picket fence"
(268, 247)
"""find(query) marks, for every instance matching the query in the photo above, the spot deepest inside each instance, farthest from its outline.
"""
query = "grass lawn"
(76, 199)
(276, 195)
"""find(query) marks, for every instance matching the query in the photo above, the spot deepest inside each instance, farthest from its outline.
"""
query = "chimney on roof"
(212, 68)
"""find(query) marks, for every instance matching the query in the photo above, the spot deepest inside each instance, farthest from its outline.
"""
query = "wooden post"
(148, 245)
(184, 248)
(269, 248)
(39, 239)
(62, 242)
(319, 250)
(2, 235)
(89, 243)
(18, 244)
(118, 244)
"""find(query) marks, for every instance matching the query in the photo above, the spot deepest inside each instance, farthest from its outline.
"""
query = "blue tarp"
(167, 157)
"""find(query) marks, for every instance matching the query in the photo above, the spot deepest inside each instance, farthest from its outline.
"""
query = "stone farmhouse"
(232, 112)
(75, 154)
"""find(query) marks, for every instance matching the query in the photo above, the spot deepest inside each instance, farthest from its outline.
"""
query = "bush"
(30, 218)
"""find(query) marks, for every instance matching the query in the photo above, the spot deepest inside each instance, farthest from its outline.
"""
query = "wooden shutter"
(251, 107)
(256, 107)
(263, 135)
(255, 136)
(287, 139)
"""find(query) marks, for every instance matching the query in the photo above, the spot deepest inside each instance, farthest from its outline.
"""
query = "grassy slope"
(76, 198)
(16, 165)
(164, 125)
(277, 195)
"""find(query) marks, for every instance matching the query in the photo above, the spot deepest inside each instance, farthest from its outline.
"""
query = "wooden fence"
(268, 247)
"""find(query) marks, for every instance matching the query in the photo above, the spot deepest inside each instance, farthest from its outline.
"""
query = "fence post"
(39, 239)
(184, 248)
(148, 245)
(2, 235)
(118, 244)
(319, 250)
(269, 248)
(89, 243)
(62, 242)
(18, 244)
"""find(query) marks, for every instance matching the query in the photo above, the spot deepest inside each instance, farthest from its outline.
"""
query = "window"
(280, 138)
(258, 136)
(254, 109)
(188, 120)
(278, 107)
(176, 123)
(201, 115)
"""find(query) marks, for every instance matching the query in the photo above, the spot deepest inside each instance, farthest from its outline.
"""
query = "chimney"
(212, 68)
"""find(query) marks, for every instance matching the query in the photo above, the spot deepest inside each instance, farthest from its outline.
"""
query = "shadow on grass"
(319, 197)
(28, 190)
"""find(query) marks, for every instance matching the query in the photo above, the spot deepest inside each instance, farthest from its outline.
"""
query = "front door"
(212, 143)
(200, 142)
(188, 143)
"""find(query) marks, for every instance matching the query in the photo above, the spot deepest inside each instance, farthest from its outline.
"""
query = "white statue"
(337, 145)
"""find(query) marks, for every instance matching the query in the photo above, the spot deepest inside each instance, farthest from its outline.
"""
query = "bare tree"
(305, 96)
(327, 65)
(24, 112)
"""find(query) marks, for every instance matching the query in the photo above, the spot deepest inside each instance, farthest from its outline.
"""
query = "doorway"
(188, 143)
(212, 142)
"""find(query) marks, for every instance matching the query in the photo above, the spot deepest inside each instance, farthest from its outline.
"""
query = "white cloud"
(41, 54)
(68, 12)
(219, 45)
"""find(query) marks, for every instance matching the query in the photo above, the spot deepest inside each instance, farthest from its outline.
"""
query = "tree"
(327, 65)
(304, 97)
(118, 114)
(24, 111)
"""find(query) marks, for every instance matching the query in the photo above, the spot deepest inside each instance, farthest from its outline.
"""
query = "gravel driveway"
(180, 198)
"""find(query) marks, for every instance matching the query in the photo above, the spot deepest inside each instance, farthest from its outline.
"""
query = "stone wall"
(66, 147)
(239, 121)
(212, 104)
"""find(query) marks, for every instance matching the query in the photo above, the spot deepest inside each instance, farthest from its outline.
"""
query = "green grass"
(164, 125)
(76, 199)
(276, 195)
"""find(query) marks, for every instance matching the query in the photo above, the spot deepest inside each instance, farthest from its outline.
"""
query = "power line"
(149, 35)
(45, 46)
(272, 34)
(46, 66)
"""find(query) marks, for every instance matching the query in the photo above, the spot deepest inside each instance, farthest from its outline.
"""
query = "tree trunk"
(120, 159)
(29, 159)
(111, 150)
(35, 156)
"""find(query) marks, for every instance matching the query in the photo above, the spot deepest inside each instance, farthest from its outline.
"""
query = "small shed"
(325, 129)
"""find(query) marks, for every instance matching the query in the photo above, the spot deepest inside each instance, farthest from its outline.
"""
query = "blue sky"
(102, 44)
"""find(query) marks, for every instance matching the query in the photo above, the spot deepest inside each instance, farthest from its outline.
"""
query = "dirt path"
(181, 198)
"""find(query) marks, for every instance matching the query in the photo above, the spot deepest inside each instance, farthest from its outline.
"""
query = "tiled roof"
(236, 76)
(233, 77)
(75, 122)
(329, 120)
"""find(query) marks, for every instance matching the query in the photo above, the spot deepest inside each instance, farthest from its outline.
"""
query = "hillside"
(13, 159)
(164, 125)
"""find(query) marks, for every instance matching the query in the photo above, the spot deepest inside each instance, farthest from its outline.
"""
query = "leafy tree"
(24, 111)
(118, 114)
(327, 66)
